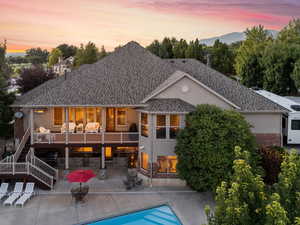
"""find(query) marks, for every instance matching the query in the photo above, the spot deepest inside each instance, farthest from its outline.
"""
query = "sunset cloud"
(46, 23)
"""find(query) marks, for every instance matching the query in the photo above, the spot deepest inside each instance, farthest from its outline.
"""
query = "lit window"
(108, 152)
(167, 164)
(121, 117)
(79, 115)
(144, 125)
(90, 115)
(72, 115)
(84, 149)
(144, 160)
(161, 126)
(58, 116)
(174, 125)
(98, 115)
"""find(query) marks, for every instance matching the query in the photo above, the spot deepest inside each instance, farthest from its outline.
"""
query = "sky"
(48, 23)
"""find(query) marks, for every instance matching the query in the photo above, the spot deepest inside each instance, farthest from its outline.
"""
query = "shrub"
(205, 146)
(272, 157)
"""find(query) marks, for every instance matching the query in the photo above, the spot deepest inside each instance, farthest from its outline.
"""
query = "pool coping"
(132, 211)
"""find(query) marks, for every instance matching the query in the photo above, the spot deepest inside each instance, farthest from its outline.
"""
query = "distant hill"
(15, 54)
(232, 37)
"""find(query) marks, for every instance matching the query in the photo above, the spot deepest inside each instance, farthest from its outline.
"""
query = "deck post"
(102, 158)
(31, 125)
(67, 124)
(103, 118)
(67, 158)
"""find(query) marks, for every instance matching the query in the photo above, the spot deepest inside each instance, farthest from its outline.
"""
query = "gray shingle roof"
(163, 105)
(128, 75)
(245, 98)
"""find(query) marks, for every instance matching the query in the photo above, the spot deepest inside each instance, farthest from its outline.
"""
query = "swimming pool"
(158, 215)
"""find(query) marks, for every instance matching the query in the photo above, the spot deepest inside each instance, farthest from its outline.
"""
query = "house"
(128, 107)
(63, 65)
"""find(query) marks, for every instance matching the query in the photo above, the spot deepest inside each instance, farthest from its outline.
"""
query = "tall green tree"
(166, 49)
(67, 50)
(87, 54)
(248, 60)
(195, 50)
(180, 48)
(54, 56)
(154, 47)
(6, 99)
(222, 58)
(37, 55)
(291, 32)
(102, 53)
(296, 74)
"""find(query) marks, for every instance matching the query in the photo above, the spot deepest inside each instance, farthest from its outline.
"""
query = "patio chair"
(72, 127)
(3, 190)
(15, 194)
(43, 130)
(92, 127)
(79, 128)
(28, 193)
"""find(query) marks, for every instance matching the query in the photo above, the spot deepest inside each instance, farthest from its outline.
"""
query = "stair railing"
(21, 146)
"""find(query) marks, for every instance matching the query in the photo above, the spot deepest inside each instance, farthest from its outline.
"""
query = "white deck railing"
(86, 138)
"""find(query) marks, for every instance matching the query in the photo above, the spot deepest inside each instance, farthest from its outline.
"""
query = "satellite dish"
(19, 115)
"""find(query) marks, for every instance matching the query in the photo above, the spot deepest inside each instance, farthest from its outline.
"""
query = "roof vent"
(172, 61)
(183, 61)
(295, 107)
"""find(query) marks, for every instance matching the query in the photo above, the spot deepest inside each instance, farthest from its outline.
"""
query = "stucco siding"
(264, 123)
(195, 94)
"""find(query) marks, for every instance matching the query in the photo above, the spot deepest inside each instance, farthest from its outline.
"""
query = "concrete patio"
(106, 198)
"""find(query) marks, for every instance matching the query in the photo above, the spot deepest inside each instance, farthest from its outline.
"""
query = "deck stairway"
(24, 165)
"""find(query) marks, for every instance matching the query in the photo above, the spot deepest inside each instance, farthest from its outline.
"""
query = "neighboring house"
(128, 108)
(63, 65)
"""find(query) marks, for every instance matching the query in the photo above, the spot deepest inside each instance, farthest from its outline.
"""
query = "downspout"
(152, 138)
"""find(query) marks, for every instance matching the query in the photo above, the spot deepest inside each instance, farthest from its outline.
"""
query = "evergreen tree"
(154, 47)
(166, 49)
(102, 53)
(291, 32)
(195, 50)
(37, 55)
(180, 48)
(67, 50)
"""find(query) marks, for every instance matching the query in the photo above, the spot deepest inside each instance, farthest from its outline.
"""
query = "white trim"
(196, 81)
(79, 106)
(161, 112)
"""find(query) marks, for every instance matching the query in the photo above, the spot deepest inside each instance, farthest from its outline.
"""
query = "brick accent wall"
(268, 139)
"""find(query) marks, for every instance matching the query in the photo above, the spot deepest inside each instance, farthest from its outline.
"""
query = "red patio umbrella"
(80, 176)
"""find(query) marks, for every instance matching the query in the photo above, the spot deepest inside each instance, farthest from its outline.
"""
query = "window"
(295, 124)
(167, 164)
(108, 152)
(72, 115)
(83, 149)
(58, 116)
(144, 160)
(90, 115)
(98, 115)
(174, 125)
(79, 115)
(161, 126)
(121, 117)
(144, 124)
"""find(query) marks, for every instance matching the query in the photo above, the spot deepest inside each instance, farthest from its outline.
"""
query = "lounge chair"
(28, 193)
(43, 130)
(92, 127)
(72, 126)
(15, 194)
(3, 190)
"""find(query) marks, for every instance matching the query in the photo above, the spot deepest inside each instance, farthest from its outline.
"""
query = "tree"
(222, 58)
(102, 53)
(279, 59)
(275, 213)
(241, 200)
(54, 56)
(205, 146)
(33, 77)
(67, 50)
(87, 54)
(37, 55)
(154, 47)
(248, 60)
(180, 48)
(296, 74)
(195, 50)
(166, 49)
(6, 99)
(291, 32)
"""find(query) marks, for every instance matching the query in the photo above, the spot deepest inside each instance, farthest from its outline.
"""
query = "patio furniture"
(132, 180)
(79, 128)
(15, 194)
(43, 130)
(92, 127)
(72, 127)
(3, 190)
(79, 193)
(28, 193)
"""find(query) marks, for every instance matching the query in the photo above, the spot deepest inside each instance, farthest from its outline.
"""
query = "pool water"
(154, 216)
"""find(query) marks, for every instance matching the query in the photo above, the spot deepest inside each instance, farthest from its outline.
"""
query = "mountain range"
(232, 37)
